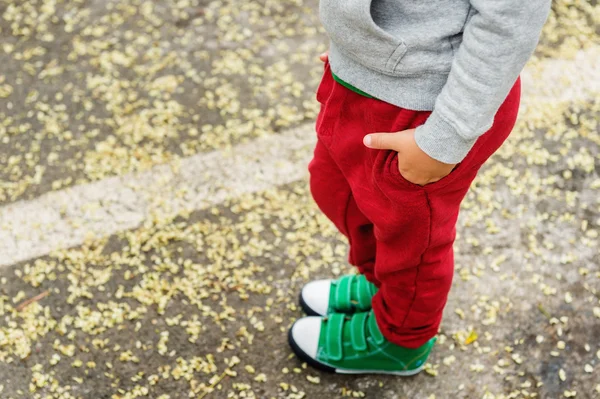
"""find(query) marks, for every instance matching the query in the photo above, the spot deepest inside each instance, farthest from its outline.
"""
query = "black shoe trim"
(305, 358)
(307, 309)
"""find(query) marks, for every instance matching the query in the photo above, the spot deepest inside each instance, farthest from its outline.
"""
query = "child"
(440, 80)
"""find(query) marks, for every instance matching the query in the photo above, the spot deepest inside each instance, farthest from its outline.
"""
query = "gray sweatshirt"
(459, 58)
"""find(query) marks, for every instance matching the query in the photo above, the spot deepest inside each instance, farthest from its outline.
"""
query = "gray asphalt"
(523, 318)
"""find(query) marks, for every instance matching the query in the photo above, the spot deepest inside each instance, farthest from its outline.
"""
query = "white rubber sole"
(406, 373)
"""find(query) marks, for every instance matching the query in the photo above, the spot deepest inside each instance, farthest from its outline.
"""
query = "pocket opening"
(350, 24)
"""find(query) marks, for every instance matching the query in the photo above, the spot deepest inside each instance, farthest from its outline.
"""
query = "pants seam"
(413, 300)
(346, 226)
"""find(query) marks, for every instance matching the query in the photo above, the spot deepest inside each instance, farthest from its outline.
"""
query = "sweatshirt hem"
(416, 92)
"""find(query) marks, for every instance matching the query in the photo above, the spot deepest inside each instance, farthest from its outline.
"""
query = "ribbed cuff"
(438, 139)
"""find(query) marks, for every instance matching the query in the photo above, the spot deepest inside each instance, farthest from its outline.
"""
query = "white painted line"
(65, 218)
(559, 81)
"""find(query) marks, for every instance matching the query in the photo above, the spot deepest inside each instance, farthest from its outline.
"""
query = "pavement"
(156, 224)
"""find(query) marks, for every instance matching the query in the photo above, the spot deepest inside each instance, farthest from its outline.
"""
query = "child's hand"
(415, 165)
(324, 57)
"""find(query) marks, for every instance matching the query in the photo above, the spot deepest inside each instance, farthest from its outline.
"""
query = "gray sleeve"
(497, 42)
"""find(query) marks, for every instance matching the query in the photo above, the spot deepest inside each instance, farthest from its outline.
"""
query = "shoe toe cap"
(305, 333)
(316, 296)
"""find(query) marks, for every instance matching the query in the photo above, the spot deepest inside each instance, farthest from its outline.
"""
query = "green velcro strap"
(343, 292)
(364, 292)
(358, 335)
(374, 330)
(333, 343)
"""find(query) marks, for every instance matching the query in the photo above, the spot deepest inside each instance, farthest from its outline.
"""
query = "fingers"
(382, 141)
(324, 57)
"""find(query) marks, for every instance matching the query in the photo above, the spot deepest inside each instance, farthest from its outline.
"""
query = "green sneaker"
(349, 294)
(353, 345)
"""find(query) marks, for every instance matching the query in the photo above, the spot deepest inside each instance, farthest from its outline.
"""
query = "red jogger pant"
(400, 234)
